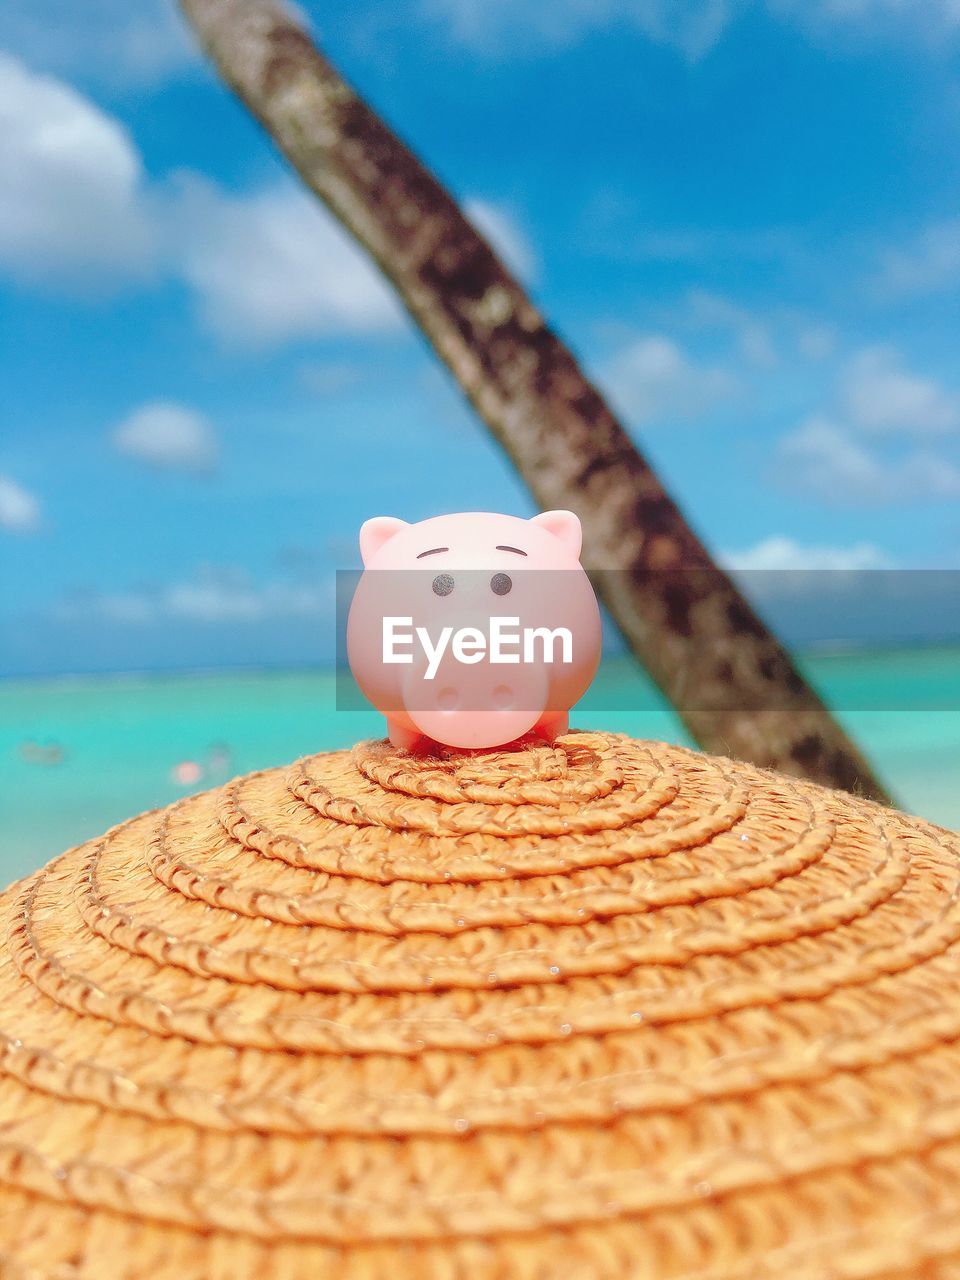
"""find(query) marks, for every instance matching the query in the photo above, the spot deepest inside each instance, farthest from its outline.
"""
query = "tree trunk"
(731, 681)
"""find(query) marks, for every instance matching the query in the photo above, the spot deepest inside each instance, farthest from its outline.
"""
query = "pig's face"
(439, 634)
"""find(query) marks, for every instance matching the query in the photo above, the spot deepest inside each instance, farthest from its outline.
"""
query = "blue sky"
(742, 216)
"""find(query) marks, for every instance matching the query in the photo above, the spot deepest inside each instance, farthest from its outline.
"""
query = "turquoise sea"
(78, 754)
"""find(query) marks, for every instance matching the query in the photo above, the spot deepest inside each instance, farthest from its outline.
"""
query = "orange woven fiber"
(600, 1009)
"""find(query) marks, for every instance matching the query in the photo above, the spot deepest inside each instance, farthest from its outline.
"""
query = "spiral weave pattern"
(605, 1008)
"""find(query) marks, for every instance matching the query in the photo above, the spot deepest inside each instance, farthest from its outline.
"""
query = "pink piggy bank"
(474, 629)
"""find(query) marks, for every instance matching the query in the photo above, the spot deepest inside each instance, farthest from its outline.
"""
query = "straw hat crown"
(605, 1008)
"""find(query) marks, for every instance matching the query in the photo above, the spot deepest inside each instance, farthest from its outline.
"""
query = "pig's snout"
(480, 705)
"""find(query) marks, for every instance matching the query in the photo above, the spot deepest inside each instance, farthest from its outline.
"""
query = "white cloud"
(237, 601)
(616, 226)
(817, 341)
(324, 378)
(927, 265)
(112, 42)
(760, 335)
(879, 395)
(506, 236)
(509, 27)
(871, 18)
(76, 209)
(214, 595)
(781, 553)
(711, 310)
(864, 450)
(692, 27)
(274, 266)
(652, 379)
(823, 458)
(19, 509)
(169, 436)
(71, 185)
(947, 11)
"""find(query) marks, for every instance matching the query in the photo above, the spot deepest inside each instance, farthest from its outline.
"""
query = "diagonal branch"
(730, 679)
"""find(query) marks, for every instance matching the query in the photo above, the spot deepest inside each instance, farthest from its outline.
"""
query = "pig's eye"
(442, 584)
(501, 584)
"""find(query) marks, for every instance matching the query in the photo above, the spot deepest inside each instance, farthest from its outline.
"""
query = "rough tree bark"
(731, 681)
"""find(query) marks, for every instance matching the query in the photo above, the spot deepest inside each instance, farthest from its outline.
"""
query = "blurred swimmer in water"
(216, 767)
(187, 773)
(42, 753)
(219, 761)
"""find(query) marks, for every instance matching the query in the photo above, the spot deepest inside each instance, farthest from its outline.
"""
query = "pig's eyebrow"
(432, 552)
(515, 550)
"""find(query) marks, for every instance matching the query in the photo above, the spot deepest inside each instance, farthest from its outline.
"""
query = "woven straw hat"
(606, 1008)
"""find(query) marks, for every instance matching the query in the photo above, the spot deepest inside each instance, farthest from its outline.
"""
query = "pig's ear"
(563, 525)
(377, 531)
